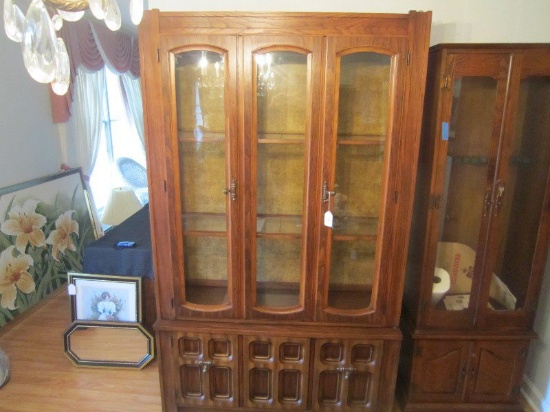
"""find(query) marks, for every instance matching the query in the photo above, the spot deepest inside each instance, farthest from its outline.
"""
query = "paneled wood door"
(207, 372)
(276, 372)
(346, 374)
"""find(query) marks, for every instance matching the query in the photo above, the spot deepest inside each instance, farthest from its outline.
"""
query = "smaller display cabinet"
(481, 227)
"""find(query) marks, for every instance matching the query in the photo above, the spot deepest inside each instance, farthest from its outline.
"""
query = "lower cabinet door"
(439, 370)
(275, 372)
(497, 371)
(207, 370)
(346, 374)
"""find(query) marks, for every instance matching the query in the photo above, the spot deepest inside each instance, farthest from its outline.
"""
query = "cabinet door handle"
(500, 195)
(205, 365)
(487, 202)
(462, 375)
(232, 190)
(326, 194)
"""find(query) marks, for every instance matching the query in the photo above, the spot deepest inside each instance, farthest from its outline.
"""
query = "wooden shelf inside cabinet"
(280, 138)
(354, 228)
(201, 137)
(365, 140)
(206, 224)
(271, 226)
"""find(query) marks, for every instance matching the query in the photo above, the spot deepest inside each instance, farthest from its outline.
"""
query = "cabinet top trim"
(386, 24)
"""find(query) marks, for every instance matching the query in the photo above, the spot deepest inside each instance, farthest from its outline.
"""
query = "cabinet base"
(447, 407)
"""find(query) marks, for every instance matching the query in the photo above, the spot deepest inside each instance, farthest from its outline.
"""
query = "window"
(119, 139)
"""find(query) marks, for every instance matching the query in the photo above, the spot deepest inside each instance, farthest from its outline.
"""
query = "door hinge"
(164, 185)
(435, 201)
(395, 196)
(158, 55)
(408, 58)
(445, 80)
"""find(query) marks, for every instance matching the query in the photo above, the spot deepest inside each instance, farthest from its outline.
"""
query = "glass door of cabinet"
(520, 208)
(468, 143)
(280, 130)
(204, 148)
(361, 128)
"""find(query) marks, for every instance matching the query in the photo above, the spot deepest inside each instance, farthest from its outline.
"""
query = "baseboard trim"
(532, 395)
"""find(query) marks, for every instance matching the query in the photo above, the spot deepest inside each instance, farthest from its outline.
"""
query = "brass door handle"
(232, 190)
(326, 194)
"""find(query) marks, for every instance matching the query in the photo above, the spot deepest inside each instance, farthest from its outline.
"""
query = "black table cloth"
(104, 257)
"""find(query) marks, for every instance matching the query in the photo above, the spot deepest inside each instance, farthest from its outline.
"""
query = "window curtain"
(132, 93)
(88, 104)
(92, 46)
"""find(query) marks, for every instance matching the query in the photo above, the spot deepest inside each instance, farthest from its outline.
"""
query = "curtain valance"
(92, 46)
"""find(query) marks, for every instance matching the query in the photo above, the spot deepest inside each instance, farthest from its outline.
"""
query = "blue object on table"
(104, 257)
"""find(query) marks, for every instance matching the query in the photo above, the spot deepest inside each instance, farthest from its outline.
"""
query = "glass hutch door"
(361, 130)
(207, 180)
(520, 204)
(468, 145)
(281, 75)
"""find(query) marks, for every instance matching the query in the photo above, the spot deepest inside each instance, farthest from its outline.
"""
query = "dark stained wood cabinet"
(281, 150)
(481, 226)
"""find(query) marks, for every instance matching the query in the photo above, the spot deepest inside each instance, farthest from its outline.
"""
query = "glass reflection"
(200, 97)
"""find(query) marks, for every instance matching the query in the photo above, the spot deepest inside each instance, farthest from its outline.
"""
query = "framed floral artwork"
(108, 298)
(44, 226)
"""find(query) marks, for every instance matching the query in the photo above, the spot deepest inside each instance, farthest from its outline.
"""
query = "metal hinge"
(445, 80)
(435, 201)
(408, 58)
(158, 55)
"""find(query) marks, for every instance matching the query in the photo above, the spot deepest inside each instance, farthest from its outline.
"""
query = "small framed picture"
(107, 298)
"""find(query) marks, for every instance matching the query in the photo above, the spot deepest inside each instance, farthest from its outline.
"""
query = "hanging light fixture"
(44, 54)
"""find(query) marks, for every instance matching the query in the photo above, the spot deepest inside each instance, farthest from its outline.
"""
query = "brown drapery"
(120, 49)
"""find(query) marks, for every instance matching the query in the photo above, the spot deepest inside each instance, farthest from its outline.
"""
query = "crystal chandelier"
(44, 54)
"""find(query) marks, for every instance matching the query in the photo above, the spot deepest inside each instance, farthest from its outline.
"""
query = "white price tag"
(71, 289)
(328, 218)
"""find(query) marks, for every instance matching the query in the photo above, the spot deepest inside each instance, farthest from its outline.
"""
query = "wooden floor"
(44, 379)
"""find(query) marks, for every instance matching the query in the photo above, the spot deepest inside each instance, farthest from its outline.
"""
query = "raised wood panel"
(439, 370)
(346, 374)
(207, 372)
(276, 372)
(498, 373)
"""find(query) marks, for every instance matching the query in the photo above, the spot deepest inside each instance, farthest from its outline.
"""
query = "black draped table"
(104, 257)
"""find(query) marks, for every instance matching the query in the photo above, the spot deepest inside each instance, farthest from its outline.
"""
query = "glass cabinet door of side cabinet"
(363, 103)
(200, 82)
(465, 196)
(282, 101)
(522, 197)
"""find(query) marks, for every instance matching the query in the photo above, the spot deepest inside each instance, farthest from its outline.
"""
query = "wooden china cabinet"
(481, 227)
(282, 150)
